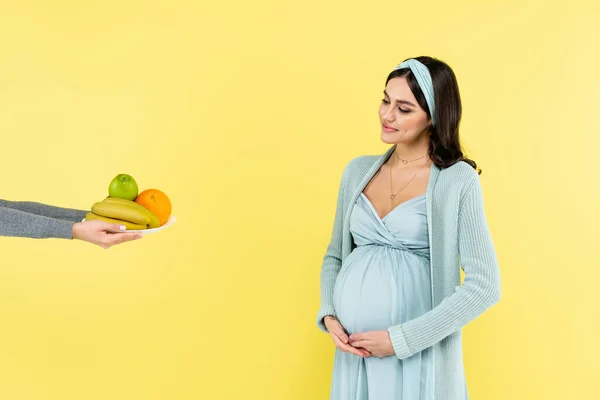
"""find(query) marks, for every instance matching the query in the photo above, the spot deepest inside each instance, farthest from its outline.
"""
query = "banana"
(154, 221)
(121, 211)
(90, 216)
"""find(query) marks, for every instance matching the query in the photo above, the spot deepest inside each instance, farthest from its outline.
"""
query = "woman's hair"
(444, 148)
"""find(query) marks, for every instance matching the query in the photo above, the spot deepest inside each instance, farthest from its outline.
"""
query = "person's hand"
(336, 330)
(377, 343)
(103, 234)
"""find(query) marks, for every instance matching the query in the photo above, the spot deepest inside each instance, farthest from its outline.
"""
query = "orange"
(157, 202)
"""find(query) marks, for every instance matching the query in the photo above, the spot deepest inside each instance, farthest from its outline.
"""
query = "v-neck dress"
(384, 281)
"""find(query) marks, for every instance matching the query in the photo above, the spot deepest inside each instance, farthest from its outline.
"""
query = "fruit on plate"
(123, 186)
(154, 221)
(157, 202)
(90, 216)
(146, 210)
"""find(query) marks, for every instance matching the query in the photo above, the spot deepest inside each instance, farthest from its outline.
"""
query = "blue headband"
(421, 73)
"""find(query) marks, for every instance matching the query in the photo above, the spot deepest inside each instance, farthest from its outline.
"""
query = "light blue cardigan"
(458, 237)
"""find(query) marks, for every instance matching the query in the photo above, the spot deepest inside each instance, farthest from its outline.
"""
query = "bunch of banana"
(125, 212)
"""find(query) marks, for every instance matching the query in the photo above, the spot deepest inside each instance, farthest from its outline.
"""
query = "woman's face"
(400, 112)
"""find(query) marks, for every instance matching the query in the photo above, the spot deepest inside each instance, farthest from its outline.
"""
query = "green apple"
(123, 186)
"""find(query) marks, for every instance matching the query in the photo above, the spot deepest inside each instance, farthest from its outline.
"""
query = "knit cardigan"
(458, 238)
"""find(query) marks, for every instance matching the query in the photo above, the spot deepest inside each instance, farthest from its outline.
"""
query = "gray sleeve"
(37, 220)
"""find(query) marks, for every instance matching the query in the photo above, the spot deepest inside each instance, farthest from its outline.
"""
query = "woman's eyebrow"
(400, 101)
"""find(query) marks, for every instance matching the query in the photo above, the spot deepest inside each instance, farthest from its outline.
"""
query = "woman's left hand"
(376, 342)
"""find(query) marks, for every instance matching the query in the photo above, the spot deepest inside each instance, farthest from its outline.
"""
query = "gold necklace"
(407, 161)
(392, 190)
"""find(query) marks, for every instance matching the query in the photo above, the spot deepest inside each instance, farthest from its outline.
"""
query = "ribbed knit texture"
(37, 220)
(458, 237)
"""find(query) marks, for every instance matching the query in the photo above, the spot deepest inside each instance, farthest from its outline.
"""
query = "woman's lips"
(388, 129)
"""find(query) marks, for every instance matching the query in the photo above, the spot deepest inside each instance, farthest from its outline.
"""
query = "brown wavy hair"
(444, 146)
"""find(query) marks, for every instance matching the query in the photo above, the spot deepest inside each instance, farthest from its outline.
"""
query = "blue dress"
(384, 281)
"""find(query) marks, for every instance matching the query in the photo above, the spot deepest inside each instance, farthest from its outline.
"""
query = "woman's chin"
(389, 137)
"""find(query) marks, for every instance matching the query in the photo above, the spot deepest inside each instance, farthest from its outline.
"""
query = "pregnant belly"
(381, 287)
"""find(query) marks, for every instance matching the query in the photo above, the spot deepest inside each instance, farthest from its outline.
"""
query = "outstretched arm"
(18, 223)
(36, 220)
(67, 214)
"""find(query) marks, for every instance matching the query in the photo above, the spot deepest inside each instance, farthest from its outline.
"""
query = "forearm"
(468, 302)
(66, 214)
(17, 223)
(329, 271)
(332, 261)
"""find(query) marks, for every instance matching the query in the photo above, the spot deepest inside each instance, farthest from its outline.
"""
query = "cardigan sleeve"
(332, 261)
(479, 291)
(37, 220)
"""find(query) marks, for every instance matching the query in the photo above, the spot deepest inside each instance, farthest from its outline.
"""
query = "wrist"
(75, 230)
(328, 318)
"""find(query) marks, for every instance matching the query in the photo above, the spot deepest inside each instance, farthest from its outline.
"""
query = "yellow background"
(245, 113)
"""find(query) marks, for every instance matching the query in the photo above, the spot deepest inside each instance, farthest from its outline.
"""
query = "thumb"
(339, 332)
(343, 337)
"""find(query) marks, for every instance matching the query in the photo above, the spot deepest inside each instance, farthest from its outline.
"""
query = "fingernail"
(140, 236)
(352, 336)
(122, 227)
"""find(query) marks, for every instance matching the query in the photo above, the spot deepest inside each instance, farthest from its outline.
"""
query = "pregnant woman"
(405, 223)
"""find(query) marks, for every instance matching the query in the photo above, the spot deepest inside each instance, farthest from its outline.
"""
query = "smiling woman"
(390, 278)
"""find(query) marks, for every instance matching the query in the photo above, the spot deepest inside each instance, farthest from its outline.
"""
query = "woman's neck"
(411, 152)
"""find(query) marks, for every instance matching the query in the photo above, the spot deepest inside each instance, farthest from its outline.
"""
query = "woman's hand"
(336, 330)
(377, 343)
(103, 234)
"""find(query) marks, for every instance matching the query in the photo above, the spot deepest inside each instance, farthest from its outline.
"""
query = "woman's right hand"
(103, 234)
(336, 330)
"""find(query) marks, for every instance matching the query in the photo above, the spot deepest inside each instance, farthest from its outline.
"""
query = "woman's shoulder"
(359, 165)
(361, 161)
(460, 177)
(460, 170)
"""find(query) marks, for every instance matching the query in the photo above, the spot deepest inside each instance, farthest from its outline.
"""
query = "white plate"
(170, 222)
